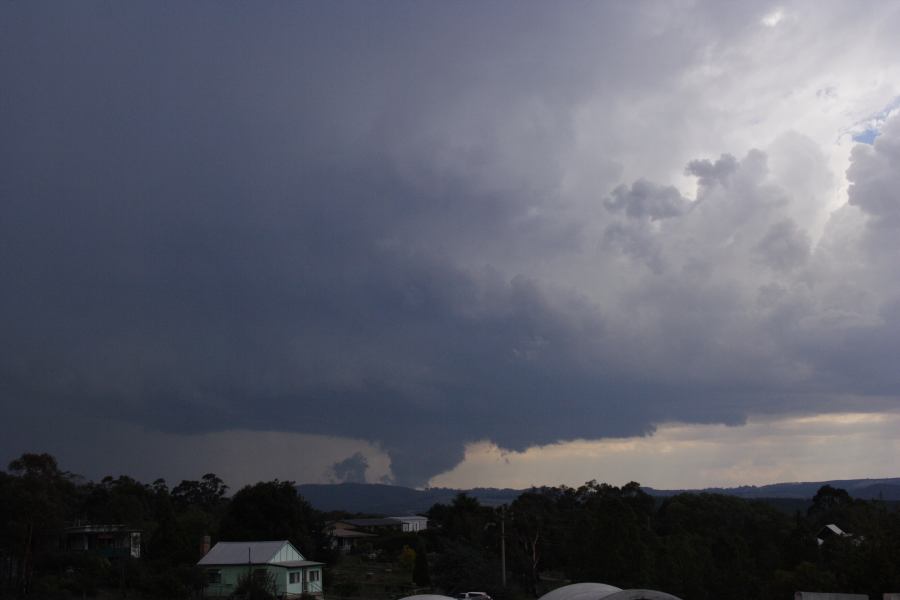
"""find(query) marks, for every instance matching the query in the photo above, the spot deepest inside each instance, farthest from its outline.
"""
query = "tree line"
(697, 546)
(38, 500)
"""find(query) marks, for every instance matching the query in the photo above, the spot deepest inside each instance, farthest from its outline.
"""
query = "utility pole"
(503, 542)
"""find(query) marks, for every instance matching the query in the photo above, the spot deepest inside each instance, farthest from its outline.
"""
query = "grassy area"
(356, 576)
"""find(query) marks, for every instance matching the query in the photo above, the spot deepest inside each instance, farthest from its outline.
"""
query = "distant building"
(346, 538)
(413, 523)
(279, 561)
(348, 535)
(831, 531)
(410, 523)
(111, 541)
(380, 525)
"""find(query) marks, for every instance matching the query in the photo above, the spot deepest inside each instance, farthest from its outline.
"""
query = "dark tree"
(829, 499)
(533, 535)
(465, 519)
(272, 510)
(460, 568)
(40, 497)
(421, 576)
(616, 538)
(207, 494)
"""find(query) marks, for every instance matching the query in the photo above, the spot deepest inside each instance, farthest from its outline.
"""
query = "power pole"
(503, 541)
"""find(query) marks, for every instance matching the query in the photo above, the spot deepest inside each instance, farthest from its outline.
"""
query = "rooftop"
(242, 553)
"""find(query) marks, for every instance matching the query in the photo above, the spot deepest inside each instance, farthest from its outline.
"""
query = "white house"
(412, 523)
(276, 561)
(831, 531)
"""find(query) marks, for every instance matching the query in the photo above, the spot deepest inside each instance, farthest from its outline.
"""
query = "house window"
(313, 576)
(213, 576)
(295, 577)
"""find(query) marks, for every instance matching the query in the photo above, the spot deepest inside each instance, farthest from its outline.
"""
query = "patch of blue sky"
(869, 128)
(866, 137)
(887, 110)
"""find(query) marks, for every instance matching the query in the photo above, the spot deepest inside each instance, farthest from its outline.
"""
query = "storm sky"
(499, 243)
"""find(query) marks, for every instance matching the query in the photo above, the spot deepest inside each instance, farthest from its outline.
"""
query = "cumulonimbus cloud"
(257, 226)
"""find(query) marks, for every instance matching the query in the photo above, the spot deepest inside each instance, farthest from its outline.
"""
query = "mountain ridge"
(384, 499)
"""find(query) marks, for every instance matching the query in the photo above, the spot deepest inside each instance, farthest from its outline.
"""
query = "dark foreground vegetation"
(38, 500)
(697, 546)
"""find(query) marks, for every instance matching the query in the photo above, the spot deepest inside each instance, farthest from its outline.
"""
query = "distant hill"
(380, 499)
(865, 489)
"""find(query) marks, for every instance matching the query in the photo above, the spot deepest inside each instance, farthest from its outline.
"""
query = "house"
(346, 538)
(111, 541)
(279, 561)
(831, 531)
(348, 534)
(407, 524)
(412, 523)
(384, 525)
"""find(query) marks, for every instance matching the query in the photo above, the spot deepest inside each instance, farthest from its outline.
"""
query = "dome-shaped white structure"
(641, 595)
(581, 591)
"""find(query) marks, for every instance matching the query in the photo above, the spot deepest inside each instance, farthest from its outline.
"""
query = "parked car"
(473, 596)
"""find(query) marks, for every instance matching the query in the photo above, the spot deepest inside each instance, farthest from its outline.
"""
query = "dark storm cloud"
(710, 173)
(230, 217)
(644, 199)
(331, 219)
(636, 242)
(352, 469)
(784, 246)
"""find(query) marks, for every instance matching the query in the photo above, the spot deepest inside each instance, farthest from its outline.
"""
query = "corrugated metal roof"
(372, 522)
(291, 564)
(241, 553)
(351, 533)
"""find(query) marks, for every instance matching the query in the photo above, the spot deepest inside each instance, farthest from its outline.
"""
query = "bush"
(258, 585)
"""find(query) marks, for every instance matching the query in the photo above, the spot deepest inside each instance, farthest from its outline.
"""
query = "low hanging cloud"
(383, 234)
(352, 469)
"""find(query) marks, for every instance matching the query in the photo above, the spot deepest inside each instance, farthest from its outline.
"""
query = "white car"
(473, 596)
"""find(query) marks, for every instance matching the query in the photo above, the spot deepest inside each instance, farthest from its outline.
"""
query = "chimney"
(204, 546)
